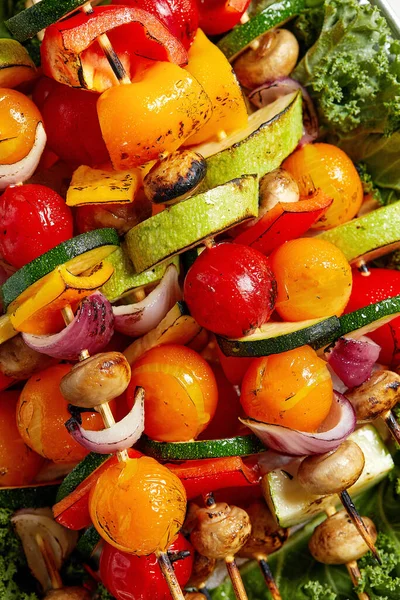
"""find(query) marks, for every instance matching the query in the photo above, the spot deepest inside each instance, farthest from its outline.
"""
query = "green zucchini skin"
(368, 315)
(44, 264)
(237, 446)
(31, 496)
(82, 470)
(29, 22)
(274, 15)
(316, 336)
(88, 543)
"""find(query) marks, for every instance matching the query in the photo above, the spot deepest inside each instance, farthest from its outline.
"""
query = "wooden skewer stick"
(363, 268)
(268, 577)
(112, 57)
(392, 424)
(170, 577)
(47, 554)
(352, 567)
(358, 523)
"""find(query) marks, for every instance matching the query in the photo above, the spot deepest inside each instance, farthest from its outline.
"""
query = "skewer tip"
(359, 523)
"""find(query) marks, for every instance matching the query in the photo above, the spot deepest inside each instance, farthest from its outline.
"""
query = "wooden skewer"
(170, 577)
(392, 424)
(268, 577)
(363, 268)
(358, 523)
(352, 567)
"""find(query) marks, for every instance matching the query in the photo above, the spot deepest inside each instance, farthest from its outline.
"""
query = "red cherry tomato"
(230, 289)
(181, 17)
(71, 122)
(217, 16)
(380, 284)
(33, 220)
(129, 577)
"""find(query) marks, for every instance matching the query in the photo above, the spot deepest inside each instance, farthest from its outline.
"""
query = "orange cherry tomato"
(42, 412)
(293, 389)
(329, 168)
(314, 279)
(180, 392)
(19, 118)
(138, 506)
(19, 465)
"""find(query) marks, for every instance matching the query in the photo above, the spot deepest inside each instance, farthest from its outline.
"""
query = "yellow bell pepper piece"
(7, 331)
(58, 289)
(154, 114)
(93, 186)
(213, 71)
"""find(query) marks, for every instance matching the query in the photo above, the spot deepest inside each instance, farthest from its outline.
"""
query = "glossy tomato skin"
(230, 289)
(33, 219)
(71, 123)
(218, 16)
(380, 284)
(129, 577)
(181, 17)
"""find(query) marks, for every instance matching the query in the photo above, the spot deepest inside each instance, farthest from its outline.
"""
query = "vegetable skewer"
(333, 473)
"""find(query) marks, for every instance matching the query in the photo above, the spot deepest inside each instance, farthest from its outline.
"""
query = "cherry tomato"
(33, 219)
(19, 118)
(217, 16)
(181, 17)
(129, 577)
(71, 122)
(138, 506)
(327, 167)
(42, 412)
(293, 389)
(380, 284)
(314, 279)
(180, 392)
(19, 465)
(225, 422)
(230, 289)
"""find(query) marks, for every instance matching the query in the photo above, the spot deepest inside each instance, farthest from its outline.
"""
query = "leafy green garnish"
(300, 577)
(353, 74)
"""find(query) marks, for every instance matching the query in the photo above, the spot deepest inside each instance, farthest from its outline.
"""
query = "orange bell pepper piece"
(284, 222)
(155, 114)
(214, 72)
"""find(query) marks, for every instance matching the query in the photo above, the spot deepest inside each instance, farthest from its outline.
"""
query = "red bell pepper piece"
(234, 367)
(197, 476)
(71, 55)
(203, 476)
(6, 381)
(217, 16)
(284, 222)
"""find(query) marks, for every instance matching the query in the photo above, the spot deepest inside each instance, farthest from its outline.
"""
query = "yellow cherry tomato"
(19, 118)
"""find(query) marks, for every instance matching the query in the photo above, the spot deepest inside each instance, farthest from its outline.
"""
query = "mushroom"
(275, 56)
(69, 593)
(19, 361)
(266, 535)
(175, 177)
(277, 186)
(202, 568)
(337, 542)
(376, 396)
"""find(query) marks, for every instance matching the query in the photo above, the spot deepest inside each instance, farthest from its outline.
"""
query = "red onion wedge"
(140, 318)
(272, 90)
(120, 436)
(91, 329)
(353, 360)
(23, 169)
(338, 425)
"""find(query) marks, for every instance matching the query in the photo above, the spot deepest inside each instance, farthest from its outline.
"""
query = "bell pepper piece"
(284, 222)
(71, 55)
(73, 510)
(59, 288)
(153, 115)
(233, 367)
(198, 477)
(7, 331)
(94, 186)
(222, 87)
(202, 476)
(6, 381)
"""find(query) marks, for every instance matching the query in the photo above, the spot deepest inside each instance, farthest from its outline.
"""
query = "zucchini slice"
(275, 15)
(78, 254)
(236, 446)
(88, 544)
(364, 320)
(29, 22)
(28, 496)
(274, 338)
(82, 470)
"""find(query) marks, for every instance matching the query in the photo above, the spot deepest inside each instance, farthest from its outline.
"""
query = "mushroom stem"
(47, 554)
(392, 424)
(236, 578)
(269, 578)
(111, 55)
(169, 575)
(358, 523)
